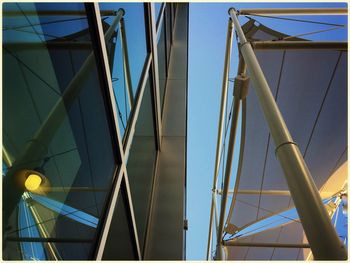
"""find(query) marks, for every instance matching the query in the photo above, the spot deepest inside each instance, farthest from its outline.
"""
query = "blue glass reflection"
(135, 35)
(30, 250)
(66, 210)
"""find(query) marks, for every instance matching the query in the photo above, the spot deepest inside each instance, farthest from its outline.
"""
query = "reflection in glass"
(120, 243)
(55, 123)
(141, 163)
(122, 63)
(158, 7)
(162, 67)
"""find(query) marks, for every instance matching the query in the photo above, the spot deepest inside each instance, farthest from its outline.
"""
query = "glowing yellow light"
(33, 182)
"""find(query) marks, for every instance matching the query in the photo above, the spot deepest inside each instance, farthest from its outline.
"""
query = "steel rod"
(220, 127)
(300, 45)
(323, 239)
(294, 11)
(258, 192)
(276, 245)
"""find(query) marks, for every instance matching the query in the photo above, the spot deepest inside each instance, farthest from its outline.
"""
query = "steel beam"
(232, 243)
(323, 239)
(220, 127)
(294, 11)
(299, 45)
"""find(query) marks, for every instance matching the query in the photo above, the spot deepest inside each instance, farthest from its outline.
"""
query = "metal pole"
(126, 64)
(220, 127)
(234, 122)
(294, 11)
(317, 225)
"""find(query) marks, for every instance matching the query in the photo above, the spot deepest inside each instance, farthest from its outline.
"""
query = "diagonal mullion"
(152, 45)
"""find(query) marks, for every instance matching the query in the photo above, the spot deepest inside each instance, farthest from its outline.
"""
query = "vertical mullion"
(152, 38)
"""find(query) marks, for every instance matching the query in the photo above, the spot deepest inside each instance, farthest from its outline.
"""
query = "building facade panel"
(81, 120)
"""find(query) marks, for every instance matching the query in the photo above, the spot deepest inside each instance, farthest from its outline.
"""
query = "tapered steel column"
(317, 225)
(231, 144)
(220, 128)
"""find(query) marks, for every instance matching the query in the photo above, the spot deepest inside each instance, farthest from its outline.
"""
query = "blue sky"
(208, 28)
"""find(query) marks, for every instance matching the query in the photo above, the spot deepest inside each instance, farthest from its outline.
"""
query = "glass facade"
(141, 163)
(61, 152)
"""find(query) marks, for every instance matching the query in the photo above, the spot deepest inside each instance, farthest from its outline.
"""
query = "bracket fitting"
(241, 86)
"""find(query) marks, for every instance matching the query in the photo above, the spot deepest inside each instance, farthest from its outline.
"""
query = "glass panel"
(59, 148)
(162, 63)
(141, 163)
(158, 7)
(174, 5)
(120, 244)
(135, 34)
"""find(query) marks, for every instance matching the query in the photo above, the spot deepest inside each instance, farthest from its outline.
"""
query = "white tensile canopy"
(310, 88)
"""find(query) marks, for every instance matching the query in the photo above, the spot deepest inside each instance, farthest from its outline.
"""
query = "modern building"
(289, 191)
(94, 131)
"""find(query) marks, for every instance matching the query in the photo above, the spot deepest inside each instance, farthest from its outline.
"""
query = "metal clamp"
(241, 86)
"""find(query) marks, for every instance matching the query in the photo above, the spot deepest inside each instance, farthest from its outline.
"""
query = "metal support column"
(231, 144)
(317, 225)
(220, 128)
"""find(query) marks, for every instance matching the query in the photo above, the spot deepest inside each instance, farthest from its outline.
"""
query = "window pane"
(120, 244)
(135, 35)
(162, 63)
(158, 7)
(141, 163)
(56, 130)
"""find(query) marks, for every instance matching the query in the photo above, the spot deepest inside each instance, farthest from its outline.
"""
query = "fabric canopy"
(310, 88)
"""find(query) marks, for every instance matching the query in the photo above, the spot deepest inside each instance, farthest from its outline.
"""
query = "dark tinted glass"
(120, 243)
(56, 133)
(135, 39)
(141, 163)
